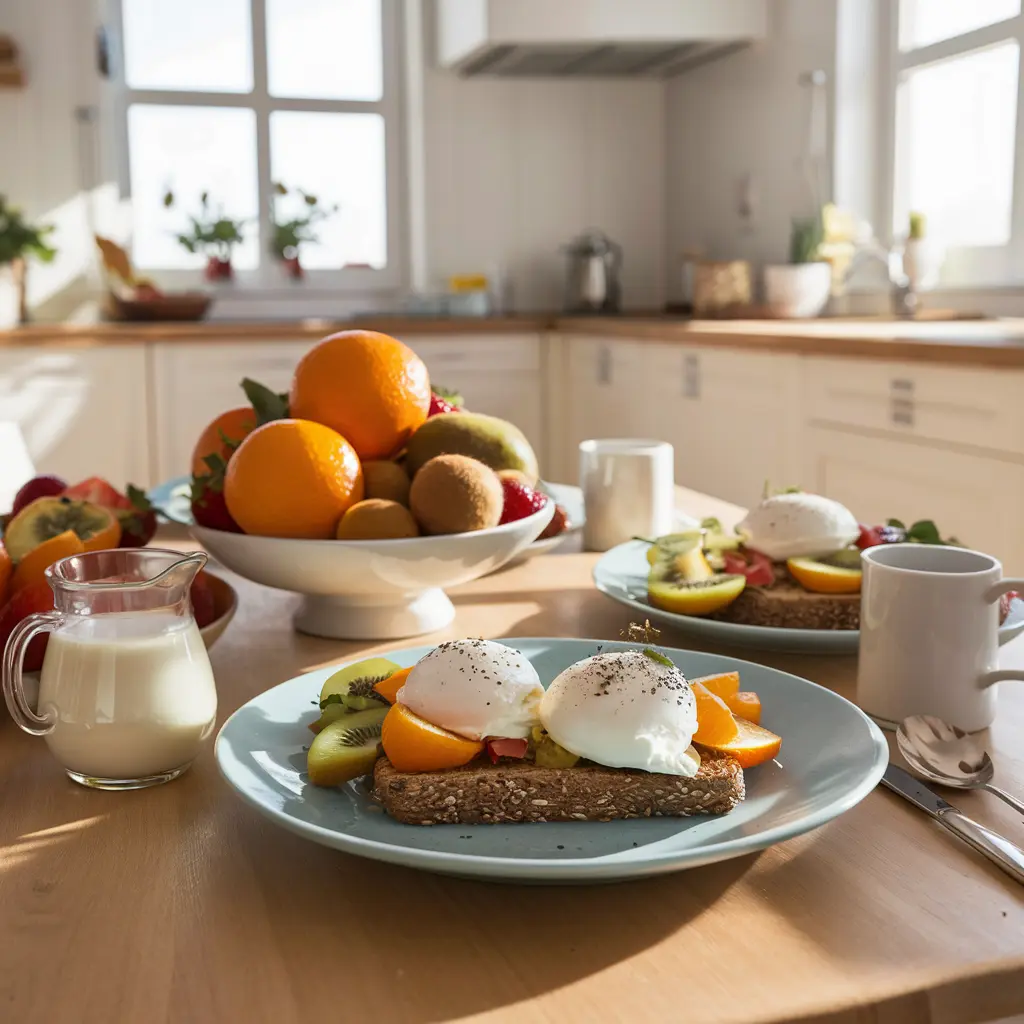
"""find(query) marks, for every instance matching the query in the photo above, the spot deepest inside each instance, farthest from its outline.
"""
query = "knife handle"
(999, 850)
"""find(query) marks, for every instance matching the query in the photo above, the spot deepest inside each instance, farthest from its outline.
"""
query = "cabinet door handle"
(901, 411)
(902, 385)
(604, 366)
(691, 376)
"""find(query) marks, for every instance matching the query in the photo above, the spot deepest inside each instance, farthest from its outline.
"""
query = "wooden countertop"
(180, 903)
(992, 343)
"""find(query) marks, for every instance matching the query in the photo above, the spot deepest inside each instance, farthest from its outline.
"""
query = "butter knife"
(1000, 851)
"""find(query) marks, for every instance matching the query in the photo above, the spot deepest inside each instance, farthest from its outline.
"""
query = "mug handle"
(991, 596)
(14, 661)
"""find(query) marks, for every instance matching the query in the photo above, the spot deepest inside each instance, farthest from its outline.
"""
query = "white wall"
(746, 115)
(516, 168)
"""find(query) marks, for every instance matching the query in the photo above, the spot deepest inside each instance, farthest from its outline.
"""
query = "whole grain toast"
(788, 605)
(485, 793)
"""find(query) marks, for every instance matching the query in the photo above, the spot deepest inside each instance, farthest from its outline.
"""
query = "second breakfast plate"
(621, 574)
(832, 757)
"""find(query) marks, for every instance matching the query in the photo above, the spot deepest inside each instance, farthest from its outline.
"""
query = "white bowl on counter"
(373, 589)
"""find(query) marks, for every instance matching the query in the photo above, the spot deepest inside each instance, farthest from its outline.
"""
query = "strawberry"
(755, 566)
(1006, 603)
(209, 508)
(520, 501)
(37, 487)
(439, 405)
(97, 491)
(559, 524)
(500, 746)
(138, 524)
(26, 601)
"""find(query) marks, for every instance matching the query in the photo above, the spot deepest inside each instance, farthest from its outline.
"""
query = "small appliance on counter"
(593, 280)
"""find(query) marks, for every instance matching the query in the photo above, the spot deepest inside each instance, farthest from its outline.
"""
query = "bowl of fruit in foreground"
(373, 589)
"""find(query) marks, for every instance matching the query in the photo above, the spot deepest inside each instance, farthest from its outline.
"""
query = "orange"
(388, 688)
(414, 745)
(6, 569)
(715, 723)
(369, 387)
(235, 425)
(292, 478)
(745, 704)
(721, 684)
(106, 536)
(32, 565)
(751, 746)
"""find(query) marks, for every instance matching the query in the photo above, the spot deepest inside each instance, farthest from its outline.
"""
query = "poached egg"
(475, 688)
(624, 709)
(798, 525)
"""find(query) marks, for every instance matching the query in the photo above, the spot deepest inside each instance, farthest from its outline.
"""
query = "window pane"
(923, 22)
(193, 45)
(324, 49)
(955, 134)
(190, 150)
(339, 158)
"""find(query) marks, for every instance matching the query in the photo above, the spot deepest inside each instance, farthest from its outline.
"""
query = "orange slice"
(721, 684)
(820, 578)
(745, 704)
(106, 536)
(32, 566)
(414, 745)
(751, 746)
(388, 688)
(715, 723)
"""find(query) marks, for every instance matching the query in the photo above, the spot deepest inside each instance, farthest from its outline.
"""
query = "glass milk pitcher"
(126, 694)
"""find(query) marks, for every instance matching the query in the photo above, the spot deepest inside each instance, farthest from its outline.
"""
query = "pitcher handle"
(13, 663)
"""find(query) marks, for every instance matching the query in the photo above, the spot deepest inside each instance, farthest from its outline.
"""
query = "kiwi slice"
(671, 591)
(549, 754)
(353, 685)
(345, 749)
(848, 558)
(48, 517)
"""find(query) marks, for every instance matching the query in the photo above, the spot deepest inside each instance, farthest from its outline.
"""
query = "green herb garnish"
(650, 652)
(332, 698)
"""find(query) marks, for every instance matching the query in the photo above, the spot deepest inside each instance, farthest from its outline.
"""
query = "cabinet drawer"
(477, 352)
(959, 406)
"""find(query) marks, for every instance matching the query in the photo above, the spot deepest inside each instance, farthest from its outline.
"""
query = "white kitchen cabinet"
(500, 375)
(194, 382)
(973, 497)
(83, 411)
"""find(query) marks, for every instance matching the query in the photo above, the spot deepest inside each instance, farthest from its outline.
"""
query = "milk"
(132, 694)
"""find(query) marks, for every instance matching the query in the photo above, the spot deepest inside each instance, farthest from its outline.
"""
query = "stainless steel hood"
(625, 38)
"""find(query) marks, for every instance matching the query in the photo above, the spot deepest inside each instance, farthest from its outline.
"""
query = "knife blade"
(996, 848)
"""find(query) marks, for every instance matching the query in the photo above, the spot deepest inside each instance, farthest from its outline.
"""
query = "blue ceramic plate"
(832, 757)
(621, 573)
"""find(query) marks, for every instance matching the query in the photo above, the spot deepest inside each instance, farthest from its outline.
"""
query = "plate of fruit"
(51, 520)
(787, 579)
(550, 760)
(364, 490)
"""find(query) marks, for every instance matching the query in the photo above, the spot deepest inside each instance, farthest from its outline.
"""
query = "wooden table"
(181, 904)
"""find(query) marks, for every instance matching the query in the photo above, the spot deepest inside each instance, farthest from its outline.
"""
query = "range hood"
(640, 38)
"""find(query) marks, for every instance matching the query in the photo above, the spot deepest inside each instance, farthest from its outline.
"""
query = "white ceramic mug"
(929, 626)
(628, 490)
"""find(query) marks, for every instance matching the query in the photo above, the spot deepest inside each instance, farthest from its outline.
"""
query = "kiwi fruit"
(352, 689)
(456, 494)
(377, 519)
(387, 481)
(549, 754)
(492, 441)
(345, 749)
(48, 517)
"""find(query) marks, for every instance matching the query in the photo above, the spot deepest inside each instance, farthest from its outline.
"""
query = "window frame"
(267, 279)
(964, 266)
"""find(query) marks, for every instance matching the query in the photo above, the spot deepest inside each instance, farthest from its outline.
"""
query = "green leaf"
(924, 532)
(896, 523)
(139, 499)
(712, 524)
(268, 405)
(650, 652)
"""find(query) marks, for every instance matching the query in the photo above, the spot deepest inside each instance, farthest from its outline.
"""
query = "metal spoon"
(946, 755)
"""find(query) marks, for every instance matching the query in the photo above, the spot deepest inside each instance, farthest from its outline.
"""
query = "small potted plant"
(800, 288)
(18, 241)
(213, 234)
(290, 235)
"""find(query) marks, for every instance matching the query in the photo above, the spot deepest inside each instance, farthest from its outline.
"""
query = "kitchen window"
(953, 110)
(231, 98)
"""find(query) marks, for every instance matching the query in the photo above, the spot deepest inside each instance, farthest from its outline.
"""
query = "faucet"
(905, 299)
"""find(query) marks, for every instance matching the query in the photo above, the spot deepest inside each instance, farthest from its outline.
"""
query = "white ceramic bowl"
(373, 589)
